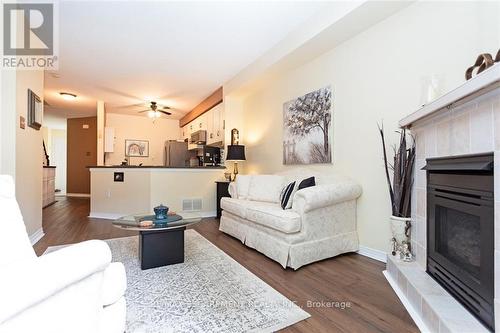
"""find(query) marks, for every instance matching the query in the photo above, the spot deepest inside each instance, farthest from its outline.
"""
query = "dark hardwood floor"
(374, 307)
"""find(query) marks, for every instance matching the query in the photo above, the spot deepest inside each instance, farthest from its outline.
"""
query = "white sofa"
(74, 289)
(320, 225)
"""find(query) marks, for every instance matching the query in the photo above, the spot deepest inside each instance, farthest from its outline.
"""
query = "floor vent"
(192, 205)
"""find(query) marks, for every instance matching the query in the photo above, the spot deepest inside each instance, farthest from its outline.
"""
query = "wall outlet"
(108, 194)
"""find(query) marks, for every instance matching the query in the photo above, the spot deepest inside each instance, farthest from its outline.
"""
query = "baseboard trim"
(114, 216)
(208, 214)
(372, 253)
(105, 216)
(36, 236)
(78, 195)
(411, 311)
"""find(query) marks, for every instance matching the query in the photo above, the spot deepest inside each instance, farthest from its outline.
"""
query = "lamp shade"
(235, 153)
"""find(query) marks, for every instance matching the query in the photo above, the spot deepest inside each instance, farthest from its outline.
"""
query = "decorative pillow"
(266, 188)
(286, 196)
(308, 182)
(242, 186)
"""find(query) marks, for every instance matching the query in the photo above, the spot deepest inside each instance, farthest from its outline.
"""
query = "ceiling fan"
(154, 112)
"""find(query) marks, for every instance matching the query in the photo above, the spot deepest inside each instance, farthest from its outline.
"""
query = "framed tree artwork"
(136, 148)
(35, 110)
(306, 128)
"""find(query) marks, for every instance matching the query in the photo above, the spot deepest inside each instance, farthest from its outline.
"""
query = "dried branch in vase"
(402, 173)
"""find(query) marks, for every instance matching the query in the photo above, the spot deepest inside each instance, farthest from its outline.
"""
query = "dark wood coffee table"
(159, 244)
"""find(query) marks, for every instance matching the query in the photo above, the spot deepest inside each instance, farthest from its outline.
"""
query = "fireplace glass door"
(459, 238)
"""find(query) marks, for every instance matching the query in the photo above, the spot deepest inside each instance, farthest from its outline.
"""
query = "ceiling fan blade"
(144, 111)
(129, 106)
(165, 112)
(166, 108)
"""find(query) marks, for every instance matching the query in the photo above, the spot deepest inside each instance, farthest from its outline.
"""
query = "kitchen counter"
(116, 191)
(151, 167)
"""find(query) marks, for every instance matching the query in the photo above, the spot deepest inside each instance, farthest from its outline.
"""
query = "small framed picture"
(119, 177)
(35, 110)
(136, 148)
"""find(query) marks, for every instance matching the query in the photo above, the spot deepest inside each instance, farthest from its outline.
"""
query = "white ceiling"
(176, 53)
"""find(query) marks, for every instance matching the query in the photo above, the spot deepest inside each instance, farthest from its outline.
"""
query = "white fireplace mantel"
(479, 85)
(464, 121)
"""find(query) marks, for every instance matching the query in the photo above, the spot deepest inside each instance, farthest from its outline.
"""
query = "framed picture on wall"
(136, 148)
(307, 128)
(35, 110)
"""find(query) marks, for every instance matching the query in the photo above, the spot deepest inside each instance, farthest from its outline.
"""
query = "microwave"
(199, 137)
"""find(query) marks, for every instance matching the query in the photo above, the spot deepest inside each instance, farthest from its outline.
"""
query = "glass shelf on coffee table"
(159, 244)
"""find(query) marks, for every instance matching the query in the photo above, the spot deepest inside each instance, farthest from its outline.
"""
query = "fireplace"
(460, 230)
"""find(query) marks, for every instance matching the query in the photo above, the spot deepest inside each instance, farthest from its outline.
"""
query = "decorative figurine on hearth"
(405, 253)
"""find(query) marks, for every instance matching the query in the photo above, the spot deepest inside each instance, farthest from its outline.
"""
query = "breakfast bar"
(123, 190)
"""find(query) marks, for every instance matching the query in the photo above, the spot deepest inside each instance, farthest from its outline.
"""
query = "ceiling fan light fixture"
(151, 114)
(68, 96)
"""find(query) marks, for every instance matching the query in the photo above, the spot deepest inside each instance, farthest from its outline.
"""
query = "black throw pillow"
(308, 182)
(286, 196)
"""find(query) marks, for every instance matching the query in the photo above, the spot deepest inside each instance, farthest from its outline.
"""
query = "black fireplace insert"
(460, 230)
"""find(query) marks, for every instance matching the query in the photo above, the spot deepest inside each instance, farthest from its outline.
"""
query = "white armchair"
(74, 289)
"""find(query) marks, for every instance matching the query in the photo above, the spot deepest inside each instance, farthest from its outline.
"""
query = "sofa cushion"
(239, 207)
(234, 206)
(242, 186)
(266, 188)
(272, 216)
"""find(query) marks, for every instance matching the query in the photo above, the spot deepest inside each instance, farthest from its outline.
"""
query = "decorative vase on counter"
(161, 212)
(401, 237)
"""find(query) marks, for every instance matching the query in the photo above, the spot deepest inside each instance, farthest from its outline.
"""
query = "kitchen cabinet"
(215, 134)
(211, 121)
(186, 131)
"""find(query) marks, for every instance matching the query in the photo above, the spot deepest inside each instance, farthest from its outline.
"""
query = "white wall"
(8, 123)
(29, 156)
(141, 128)
(101, 120)
(375, 76)
(143, 189)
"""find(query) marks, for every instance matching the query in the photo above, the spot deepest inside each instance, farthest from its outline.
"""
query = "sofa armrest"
(30, 282)
(325, 195)
(233, 192)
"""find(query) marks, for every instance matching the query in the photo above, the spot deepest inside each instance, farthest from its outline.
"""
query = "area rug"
(209, 292)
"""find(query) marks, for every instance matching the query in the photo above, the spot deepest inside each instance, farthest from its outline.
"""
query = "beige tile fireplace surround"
(464, 121)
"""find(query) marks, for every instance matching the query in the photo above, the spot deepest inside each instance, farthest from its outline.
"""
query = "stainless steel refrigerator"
(176, 154)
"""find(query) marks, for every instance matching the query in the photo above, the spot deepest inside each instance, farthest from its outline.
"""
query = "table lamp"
(235, 153)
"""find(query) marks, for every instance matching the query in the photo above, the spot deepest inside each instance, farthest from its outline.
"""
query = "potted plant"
(400, 188)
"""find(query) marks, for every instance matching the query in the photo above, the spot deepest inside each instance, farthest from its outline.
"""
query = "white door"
(58, 159)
